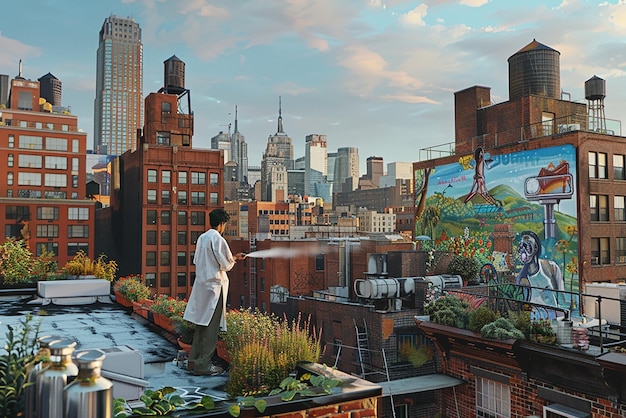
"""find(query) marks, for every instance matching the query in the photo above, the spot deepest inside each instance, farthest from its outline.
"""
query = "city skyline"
(361, 73)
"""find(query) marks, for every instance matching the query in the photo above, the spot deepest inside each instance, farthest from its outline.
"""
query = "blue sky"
(373, 74)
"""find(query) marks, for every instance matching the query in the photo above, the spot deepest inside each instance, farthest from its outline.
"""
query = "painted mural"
(515, 213)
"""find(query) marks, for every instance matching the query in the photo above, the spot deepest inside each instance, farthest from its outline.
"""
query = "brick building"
(43, 197)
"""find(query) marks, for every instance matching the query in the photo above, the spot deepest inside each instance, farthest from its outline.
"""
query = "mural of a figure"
(538, 272)
(479, 186)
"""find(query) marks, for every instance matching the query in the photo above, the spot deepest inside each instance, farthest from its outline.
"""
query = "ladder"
(362, 344)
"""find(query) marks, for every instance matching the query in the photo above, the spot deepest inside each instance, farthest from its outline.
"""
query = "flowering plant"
(132, 288)
(168, 306)
(82, 265)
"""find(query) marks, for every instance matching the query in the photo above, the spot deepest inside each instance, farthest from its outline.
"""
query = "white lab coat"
(213, 259)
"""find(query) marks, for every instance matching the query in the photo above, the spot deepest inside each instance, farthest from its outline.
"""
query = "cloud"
(416, 16)
(12, 51)
(473, 3)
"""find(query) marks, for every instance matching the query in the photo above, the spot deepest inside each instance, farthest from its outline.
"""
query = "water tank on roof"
(535, 70)
(595, 88)
(174, 79)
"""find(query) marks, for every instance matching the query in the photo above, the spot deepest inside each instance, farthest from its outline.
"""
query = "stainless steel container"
(89, 395)
(52, 379)
(30, 393)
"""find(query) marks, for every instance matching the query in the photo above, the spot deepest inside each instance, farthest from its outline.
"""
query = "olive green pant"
(205, 340)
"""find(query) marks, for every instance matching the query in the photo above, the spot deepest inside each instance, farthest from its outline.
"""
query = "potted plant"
(82, 265)
(165, 307)
(130, 289)
(185, 331)
(541, 331)
(466, 267)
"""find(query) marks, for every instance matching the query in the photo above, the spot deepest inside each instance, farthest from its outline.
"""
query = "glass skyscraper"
(118, 107)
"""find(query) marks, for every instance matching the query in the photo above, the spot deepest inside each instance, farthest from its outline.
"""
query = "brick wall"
(362, 408)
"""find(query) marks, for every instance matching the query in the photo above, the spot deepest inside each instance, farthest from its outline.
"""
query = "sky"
(373, 74)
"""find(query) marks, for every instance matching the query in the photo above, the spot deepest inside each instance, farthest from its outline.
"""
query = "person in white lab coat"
(207, 303)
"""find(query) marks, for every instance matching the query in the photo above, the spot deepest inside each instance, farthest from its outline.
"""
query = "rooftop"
(105, 325)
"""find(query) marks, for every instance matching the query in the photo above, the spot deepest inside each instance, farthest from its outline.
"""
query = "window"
(214, 179)
(30, 142)
(78, 231)
(11, 141)
(74, 247)
(402, 411)
(51, 247)
(166, 176)
(29, 161)
(262, 284)
(166, 215)
(182, 238)
(55, 180)
(556, 410)
(547, 122)
(163, 138)
(198, 198)
(181, 279)
(166, 238)
(166, 107)
(152, 196)
(198, 177)
(182, 197)
(29, 179)
(164, 280)
(319, 262)
(618, 208)
(165, 258)
(597, 165)
(620, 250)
(152, 176)
(56, 144)
(47, 213)
(182, 217)
(10, 160)
(165, 197)
(182, 258)
(47, 231)
(78, 214)
(17, 212)
(150, 258)
(600, 251)
(151, 237)
(599, 208)
(197, 218)
(213, 198)
(151, 279)
(75, 146)
(194, 237)
(151, 217)
(493, 399)
(182, 177)
(618, 167)
(192, 254)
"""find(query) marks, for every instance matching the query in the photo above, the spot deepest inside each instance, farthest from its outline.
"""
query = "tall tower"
(239, 152)
(118, 107)
(315, 164)
(346, 170)
(277, 159)
(595, 92)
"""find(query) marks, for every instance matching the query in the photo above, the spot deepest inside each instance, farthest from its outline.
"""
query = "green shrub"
(448, 310)
(480, 317)
(15, 364)
(521, 321)
(501, 329)
(466, 267)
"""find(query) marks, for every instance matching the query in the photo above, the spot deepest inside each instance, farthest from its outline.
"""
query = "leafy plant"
(169, 306)
(480, 317)
(521, 321)
(160, 402)
(448, 310)
(501, 329)
(466, 267)
(82, 265)
(15, 365)
(184, 329)
(306, 386)
(269, 351)
(18, 265)
(417, 356)
(132, 288)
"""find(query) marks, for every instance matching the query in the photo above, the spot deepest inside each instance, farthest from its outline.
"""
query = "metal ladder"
(362, 343)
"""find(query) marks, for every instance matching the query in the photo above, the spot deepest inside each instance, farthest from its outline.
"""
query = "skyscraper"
(277, 159)
(118, 107)
(346, 172)
(239, 152)
(51, 89)
(316, 167)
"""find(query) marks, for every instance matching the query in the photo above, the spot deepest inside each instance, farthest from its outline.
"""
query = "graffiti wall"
(516, 213)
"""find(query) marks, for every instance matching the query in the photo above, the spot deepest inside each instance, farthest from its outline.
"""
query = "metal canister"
(30, 393)
(90, 394)
(52, 379)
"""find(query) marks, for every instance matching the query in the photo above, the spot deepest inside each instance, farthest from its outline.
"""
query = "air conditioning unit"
(556, 410)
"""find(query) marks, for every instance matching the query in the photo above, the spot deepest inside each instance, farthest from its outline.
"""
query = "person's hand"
(240, 256)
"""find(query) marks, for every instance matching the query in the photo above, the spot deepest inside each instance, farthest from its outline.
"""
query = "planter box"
(122, 300)
(142, 308)
(164, 322)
